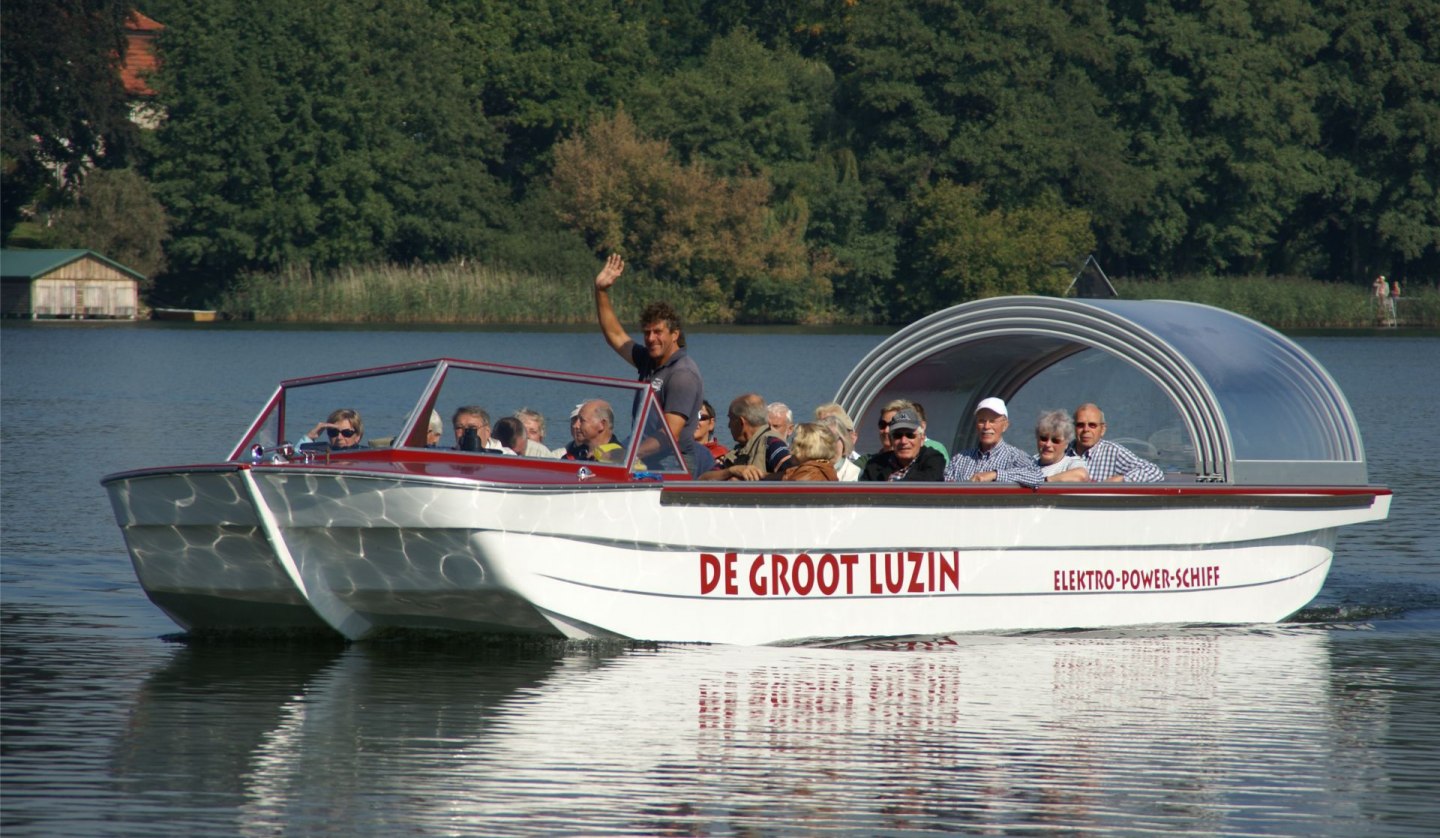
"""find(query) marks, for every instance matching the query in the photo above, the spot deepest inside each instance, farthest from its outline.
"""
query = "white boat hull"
(727, 563)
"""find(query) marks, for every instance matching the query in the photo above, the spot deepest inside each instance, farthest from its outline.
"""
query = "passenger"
(781, 420)
(925, 426)
(342, 430)
(534, 422)
(908, 458)
(993, 459)
(1107, 461)
(1054, 431)
(705, 433)
(838, 421)
(662, 361)
(815, 446)
(471, 424)
(758, 451)
(887, 413)
(597, 432)
(510, 433)
(435, 430)
(845, 427)
(575, 448)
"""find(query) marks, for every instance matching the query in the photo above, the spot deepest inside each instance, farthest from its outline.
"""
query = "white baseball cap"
(992, 403)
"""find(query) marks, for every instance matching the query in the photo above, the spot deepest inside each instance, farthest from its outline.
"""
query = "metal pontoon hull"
(361, 551)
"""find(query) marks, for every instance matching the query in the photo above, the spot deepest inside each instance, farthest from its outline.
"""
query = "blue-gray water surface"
(1326, 724)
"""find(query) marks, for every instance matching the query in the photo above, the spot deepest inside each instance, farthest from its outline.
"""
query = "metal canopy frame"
(1226, 375)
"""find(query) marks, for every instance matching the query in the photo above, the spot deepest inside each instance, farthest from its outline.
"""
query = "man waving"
(662, 360)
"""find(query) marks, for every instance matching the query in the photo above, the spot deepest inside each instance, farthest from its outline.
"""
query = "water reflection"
(1228, 730)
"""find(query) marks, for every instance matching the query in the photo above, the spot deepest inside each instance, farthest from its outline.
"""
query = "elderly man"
(781, 419)
(662, 361)
(597, 433)
(758, 452)
(1104, 460)
(471, 424)
(909, 458)
(510, 433)
(887, 413)
(435, 430)
(993, 459)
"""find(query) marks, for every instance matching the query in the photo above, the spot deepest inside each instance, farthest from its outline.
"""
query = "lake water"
(1328, 724)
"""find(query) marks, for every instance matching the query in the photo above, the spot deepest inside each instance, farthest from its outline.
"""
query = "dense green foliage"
(809, 160)
(116, 214)
(62, 106)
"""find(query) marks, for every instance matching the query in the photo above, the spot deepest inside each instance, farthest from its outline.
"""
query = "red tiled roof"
(139, 21)
(140, 57)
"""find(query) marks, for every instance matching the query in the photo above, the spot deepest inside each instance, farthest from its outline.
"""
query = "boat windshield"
(477, 409)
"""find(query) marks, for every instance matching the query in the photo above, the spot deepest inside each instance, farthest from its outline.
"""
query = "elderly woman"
(1053, 432)
(834, 417)
(343, 429)
(814, 451)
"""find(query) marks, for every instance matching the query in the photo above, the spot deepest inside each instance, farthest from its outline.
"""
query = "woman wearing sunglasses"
(1053, 433)
(343, 429)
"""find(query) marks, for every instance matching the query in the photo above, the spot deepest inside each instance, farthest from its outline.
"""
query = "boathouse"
(66, 284)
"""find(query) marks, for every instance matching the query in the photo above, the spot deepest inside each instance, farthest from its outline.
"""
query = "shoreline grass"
(1290, 303)
(449, 293)
(479, 294)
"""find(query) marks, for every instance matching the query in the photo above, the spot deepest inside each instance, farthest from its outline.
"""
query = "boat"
(1263, 463)
(187, 315)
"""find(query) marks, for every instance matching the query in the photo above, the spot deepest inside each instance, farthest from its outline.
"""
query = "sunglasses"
(904, 434)
(704, 418)
(346, 432)
(1056, 440)
(1089, 424)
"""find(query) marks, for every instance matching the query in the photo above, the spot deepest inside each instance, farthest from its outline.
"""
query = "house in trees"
(141, 59)
(66, 284)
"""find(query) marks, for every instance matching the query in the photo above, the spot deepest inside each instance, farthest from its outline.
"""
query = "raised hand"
(614, 266)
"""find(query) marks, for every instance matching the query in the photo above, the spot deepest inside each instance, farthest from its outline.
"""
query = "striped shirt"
(1105, 459)
(1010, 464)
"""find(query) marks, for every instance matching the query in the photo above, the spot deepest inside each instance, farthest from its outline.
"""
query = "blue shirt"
(1105, 459)
(1010, 464)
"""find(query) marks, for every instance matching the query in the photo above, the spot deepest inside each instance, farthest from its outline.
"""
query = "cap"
(904, 420)
(992, 403)
(576, 411)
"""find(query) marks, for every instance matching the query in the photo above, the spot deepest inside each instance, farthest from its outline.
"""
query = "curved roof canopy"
(1256, 407)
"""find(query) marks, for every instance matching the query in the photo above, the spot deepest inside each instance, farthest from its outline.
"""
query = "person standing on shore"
(662, 360)
(1381, 292)
(1394, 303)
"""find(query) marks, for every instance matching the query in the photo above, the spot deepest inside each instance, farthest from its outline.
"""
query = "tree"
(63, 107)
(1379, 109)
(115, 213)
(684, 223)
(541, 67)
(964, 251)
(1219, 99)
(330, 133)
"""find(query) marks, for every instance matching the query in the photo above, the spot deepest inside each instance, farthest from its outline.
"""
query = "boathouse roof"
(34, 264)
(1239, 402)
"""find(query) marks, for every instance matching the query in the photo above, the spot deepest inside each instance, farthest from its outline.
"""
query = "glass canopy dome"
(1211, 395)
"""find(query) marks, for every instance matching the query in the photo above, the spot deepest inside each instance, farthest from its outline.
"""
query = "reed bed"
(483, 294)
(1287, 303)
(454, 292)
